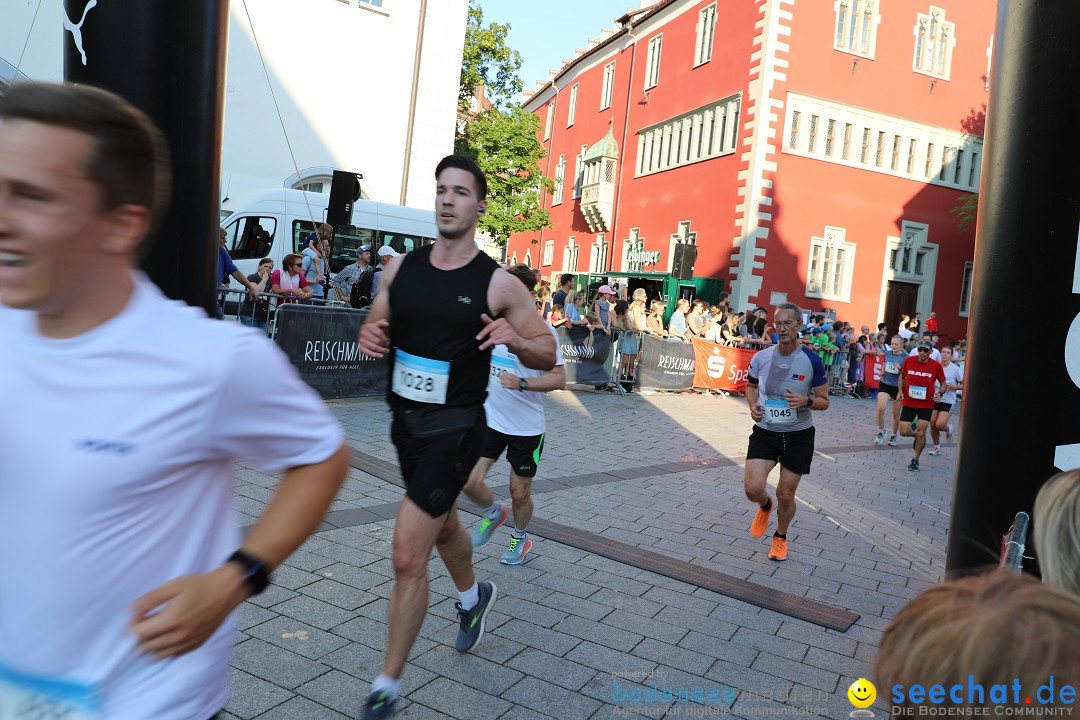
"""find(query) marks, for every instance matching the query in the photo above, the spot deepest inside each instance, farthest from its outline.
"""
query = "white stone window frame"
(579, 171)
(867, 15)
(702, 134)
(833, 239)
(892, 265)
(706, 35)
(934, 163)
(528, 257)
(683, 234)
(572, 111)
(965, 288)
(652, 61)
(608, 86)
(598, 254)
(560, 180)
(549, 253)
(570, 255)
(925, 52)
(632, 243)
(550, 119)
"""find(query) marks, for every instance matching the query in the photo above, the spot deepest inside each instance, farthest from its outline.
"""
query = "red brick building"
(809, 152)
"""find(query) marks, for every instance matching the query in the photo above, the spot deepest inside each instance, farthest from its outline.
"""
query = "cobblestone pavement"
(575, 635)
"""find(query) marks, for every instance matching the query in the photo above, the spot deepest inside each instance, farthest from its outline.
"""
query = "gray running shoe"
(892, 439)
(472, 621)
(880, 437)
(515, 554)
(913, 466)
(487, 527)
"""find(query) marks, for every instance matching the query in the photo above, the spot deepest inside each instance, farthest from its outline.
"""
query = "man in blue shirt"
(227, 267)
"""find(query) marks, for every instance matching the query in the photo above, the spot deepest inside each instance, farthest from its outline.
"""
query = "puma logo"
(76, 30)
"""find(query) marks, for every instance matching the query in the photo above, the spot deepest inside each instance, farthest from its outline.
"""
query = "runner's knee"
(408, 563)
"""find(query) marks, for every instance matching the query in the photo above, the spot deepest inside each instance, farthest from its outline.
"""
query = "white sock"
(494, 511)
(385, 682)
(470, 597)
(519, 534)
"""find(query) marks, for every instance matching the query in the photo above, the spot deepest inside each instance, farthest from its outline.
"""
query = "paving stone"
(719, 649)
(338, 594)
(252, 695)
(274, 664)
(550, 641)
(560, 671)
(298, 637)
(313, 612)
(648, 627)
(576, 606)
(468, 668)
(461, 701)
(784, 647)
(797, 672)
(629, 603)
(251, 615)
(609, 635)
(608, 661)
(551, 699)
(300, 708)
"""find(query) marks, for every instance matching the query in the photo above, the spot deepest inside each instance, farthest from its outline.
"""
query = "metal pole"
(1019, 408)
(168, 59)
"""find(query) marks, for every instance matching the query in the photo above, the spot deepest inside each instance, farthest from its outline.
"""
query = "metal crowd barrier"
(625, 348)
(1012, 544)
(838, 374)
(274, 301)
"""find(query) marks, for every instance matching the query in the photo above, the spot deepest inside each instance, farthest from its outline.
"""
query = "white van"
(273, 224)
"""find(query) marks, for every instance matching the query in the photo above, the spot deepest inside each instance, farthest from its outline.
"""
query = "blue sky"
(547, 33)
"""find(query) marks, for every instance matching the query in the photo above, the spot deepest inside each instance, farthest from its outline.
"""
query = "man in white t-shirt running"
(125, 413)
(515, 423)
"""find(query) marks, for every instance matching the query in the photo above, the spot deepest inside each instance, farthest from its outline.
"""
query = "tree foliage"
(503, 139)
(966, 210)
(488, 61)
(505, 146)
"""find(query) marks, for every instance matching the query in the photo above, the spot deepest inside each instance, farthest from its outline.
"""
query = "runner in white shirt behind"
(515, 420)
(124, 415)
(954, 380)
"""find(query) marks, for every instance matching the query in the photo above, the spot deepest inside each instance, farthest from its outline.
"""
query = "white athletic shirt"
(935, 354)
(116, 476)
(516, 412)
(954, 375)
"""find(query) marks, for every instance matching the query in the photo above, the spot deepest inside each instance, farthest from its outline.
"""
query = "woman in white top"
(939, 419)
(289, 281)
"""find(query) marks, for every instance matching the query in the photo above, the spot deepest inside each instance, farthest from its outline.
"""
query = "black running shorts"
(522, 451)
(943, 407)
(793, 450)
(890, 390)
(436, 452)
(907, 414)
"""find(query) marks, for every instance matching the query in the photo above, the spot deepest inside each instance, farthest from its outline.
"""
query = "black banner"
(167, 59)
(321, 343)
(586, 355)
(665, 364)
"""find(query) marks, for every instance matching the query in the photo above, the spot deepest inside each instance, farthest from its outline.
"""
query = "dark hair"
(621, 307)
(466, 163)
(524, 273)
(266, 260)
(723, 296)
(759, 327)
(565, 278)
(130, 162)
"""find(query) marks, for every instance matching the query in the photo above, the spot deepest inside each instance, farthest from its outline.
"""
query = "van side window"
(403, 242)
(250, 237)
(343, 245)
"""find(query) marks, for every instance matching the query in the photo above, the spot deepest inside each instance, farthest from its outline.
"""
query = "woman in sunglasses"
(291, 283)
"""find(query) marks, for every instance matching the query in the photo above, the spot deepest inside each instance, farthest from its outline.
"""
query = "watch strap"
(256, 576)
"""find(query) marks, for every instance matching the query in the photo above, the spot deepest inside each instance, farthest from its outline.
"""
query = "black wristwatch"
(256, 576)
(810, 402)
(523, 384)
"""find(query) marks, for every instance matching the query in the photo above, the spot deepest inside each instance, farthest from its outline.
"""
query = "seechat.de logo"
(862, 694)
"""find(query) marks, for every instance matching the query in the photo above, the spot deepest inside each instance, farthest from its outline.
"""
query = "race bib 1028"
(779, 412)
(420, 379)
(28, 697)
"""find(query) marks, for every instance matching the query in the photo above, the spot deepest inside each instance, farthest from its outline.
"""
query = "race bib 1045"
(420, 379)
(27, 697)
(779, 412)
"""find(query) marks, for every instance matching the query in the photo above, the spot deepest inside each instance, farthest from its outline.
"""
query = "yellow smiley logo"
(862, 693)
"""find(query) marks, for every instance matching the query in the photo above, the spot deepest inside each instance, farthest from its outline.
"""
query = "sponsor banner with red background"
(873, 368)
(717, 367)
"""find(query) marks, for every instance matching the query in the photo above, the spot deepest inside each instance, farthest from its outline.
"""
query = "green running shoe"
(487, 527)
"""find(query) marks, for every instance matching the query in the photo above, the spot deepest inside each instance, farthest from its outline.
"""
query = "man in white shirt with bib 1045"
(126, 413)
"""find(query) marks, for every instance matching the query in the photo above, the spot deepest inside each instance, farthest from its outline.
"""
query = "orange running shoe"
(761, 520)
(778, 551)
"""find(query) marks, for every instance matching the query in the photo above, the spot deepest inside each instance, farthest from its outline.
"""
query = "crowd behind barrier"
(263, 312)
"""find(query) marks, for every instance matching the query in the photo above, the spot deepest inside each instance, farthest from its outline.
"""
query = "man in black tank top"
(433, 317)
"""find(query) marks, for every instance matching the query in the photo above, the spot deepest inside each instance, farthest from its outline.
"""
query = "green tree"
(487, 61)
(504, 144)
(502, 138)
(966, 210)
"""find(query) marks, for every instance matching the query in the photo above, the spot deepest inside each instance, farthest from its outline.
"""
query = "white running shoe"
(880, 437)
(936, 450)
(892, 439)
(948, 432)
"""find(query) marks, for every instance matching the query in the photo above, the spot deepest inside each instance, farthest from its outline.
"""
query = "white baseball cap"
(387, 251)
